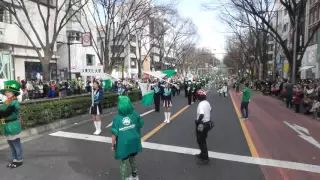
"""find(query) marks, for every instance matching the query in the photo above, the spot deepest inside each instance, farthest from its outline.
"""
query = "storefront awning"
(306, 68)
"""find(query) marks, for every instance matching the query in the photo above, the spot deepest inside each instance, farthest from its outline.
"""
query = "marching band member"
(166, 96)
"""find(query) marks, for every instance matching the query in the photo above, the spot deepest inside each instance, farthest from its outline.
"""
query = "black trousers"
(289, 100)
(194, 96)
(237, 89)
(178, 91)
(157, 102)
(244, 109)
(202, 141)
(186, 92)
(174, 93)
(189, 98)
(297, 108)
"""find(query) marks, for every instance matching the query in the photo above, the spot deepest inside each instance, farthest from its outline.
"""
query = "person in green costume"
(126, 137)
(10, 123)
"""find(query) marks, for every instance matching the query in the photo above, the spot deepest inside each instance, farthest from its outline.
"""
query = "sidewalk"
(279, 133)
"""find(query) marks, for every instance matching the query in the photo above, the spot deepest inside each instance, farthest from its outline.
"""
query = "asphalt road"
(76, 154)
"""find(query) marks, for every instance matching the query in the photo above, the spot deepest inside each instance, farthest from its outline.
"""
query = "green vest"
(12, 128)
(127, 129)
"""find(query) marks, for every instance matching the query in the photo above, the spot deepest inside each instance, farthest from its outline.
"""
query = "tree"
(262, 10)
(54, 15)
(115, 21)
(176, 33)
(151, 32)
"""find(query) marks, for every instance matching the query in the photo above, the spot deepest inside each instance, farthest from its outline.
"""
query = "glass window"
(90, 59)
(5, 16)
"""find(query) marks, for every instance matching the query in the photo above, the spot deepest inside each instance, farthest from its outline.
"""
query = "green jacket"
(127, 129)
(9, 112)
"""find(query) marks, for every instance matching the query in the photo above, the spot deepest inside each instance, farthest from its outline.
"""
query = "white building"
(80, 55)
(275, 53)
(310, 65)
(17, 55)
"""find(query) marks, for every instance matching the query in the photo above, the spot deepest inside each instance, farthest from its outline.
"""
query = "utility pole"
(295, 40)
(69, 57)
(274, 50)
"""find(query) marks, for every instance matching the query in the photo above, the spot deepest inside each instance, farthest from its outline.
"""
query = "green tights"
(123, 167)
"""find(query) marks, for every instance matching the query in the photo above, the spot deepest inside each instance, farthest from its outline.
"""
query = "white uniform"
(205, 109)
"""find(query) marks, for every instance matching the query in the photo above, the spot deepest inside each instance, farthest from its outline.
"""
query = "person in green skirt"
(10, 122)
(126, 137)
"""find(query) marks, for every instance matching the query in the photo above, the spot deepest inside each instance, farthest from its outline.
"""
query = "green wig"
(124, 105)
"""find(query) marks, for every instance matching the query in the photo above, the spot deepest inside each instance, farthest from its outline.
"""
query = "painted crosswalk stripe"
(191, 151)
(143, 114)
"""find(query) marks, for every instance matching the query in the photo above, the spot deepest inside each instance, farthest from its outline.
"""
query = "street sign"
(91, 70)
(86, 39)
(303, 133)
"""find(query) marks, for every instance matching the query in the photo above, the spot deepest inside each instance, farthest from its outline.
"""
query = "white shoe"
(132, 178)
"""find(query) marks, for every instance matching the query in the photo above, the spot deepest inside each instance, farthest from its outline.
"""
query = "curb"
(36, 132)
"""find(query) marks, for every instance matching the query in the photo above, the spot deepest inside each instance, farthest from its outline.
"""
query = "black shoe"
(198, 156)
(16, 164)
(203, 161)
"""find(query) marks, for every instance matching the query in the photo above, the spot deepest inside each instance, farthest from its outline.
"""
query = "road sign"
(303, 133)
(86, 39)
(91, 70)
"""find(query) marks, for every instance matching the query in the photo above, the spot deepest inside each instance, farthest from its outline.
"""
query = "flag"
(147, 94)
(157, 74)
(169, 73)
(107, 84)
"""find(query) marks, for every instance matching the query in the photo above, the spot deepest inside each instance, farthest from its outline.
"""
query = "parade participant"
(197, 87)
(174, 88)
(126, 137)
(157, 95)
(194, 85)
(96, 107)
(244, 108)
(178, 88)
(203, 126)
(186, 85)
(224, 90)
(120, 90)
(166, 96)
(190, 92)
(10, 123)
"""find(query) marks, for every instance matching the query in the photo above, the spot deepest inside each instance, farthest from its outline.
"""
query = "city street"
(274, 144)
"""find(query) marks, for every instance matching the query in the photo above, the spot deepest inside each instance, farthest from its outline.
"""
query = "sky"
(210, 27)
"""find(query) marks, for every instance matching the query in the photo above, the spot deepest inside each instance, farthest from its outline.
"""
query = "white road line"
(190, 151)
(143, 114)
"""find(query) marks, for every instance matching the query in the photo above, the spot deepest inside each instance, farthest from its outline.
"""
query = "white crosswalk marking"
(143, 114)
(191, 151)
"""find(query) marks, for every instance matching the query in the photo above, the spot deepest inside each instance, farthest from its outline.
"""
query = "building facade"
(17, 55)
(310, 65)
(81, 53)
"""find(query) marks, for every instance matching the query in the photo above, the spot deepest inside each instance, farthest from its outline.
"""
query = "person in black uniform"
(157, 96)
(178, 87)
(186, 85)
(173, 88)
(189, 89)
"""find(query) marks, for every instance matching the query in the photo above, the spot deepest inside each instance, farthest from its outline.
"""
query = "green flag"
(147, 94)
(169, 72)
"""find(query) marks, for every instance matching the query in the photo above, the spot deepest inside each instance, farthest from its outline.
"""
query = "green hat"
(125, 106)
(13, 86)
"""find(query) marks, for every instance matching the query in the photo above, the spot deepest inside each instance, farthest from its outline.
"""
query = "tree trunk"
(45, 63)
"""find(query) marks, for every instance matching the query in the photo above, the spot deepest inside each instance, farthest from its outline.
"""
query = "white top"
(205, 109)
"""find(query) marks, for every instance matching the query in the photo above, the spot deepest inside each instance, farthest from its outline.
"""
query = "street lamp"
(69, 43)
